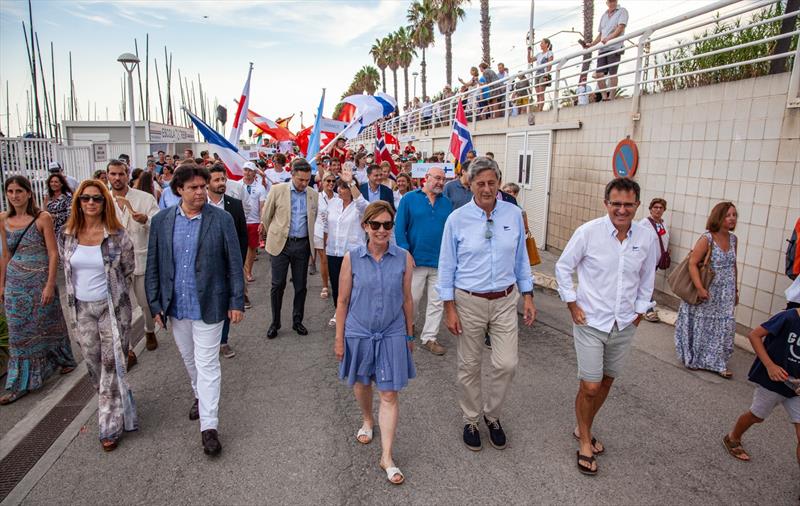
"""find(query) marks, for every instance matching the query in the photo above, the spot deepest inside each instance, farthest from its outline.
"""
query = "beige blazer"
(277, 214)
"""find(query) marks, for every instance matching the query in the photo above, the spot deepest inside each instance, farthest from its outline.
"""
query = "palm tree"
(392, 59)
(448, 13)
(588, 24)
(421, 18)
(486, 24)
(404, 48)
(379, 52)
(369, 79)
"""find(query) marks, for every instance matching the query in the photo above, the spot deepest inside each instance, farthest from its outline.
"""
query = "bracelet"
(409, 338)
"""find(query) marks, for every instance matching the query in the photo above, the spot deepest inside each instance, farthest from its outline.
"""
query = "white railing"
(676, 53)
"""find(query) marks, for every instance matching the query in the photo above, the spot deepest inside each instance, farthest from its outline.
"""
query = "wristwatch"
(352, 184)
(528, 293)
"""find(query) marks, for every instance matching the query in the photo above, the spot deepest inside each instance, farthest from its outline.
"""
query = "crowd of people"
(383, 240)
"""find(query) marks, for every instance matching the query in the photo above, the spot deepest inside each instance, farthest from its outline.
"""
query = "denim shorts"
(764, 401)
(601, 353)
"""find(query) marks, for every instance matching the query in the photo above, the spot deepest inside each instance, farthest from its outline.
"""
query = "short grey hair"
(480, 164)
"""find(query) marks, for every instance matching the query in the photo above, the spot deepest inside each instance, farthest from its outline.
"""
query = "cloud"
(94, 18)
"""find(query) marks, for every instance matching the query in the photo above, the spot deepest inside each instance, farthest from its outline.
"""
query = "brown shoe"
(132, 360)
(151, 343)
(434, 347)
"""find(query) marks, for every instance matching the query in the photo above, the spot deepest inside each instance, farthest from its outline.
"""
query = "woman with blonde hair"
(704, 333)
(99, 262)
(374, 339)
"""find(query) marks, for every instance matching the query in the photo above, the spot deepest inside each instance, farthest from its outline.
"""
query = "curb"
(667, 315)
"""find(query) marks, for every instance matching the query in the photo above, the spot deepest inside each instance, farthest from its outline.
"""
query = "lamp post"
(129, 62)
(415, 74)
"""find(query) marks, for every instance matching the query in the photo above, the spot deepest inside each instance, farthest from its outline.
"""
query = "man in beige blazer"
(288, 223)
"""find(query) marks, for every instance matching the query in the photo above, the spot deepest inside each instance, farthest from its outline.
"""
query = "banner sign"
(170, 133)
(418, 170)
(331, 125)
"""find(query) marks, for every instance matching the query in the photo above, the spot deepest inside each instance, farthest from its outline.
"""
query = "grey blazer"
(218, 268)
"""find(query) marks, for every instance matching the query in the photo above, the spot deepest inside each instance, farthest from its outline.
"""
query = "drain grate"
(24, 456)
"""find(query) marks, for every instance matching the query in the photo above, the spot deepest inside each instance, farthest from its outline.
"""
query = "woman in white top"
(542, 79)
(655, 222)
(99, 262)
(341, 223)
(326, 194)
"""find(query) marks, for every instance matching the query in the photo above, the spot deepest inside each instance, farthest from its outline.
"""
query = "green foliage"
(689, 57)
(3, 332)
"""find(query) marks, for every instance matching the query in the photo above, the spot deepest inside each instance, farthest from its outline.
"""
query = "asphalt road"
(287, 426)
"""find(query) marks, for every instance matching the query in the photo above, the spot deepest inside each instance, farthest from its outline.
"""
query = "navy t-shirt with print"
(783, 347)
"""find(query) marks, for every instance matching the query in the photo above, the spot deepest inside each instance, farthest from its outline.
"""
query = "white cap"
(54, 166)
(249, 165)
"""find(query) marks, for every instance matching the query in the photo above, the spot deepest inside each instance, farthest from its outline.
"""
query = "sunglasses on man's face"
(375, 225)
(94, 198)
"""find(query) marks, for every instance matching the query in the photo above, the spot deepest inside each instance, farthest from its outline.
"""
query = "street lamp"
(415, 74)
(129, 61)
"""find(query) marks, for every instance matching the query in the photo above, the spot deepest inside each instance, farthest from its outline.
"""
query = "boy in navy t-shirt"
(776, 372)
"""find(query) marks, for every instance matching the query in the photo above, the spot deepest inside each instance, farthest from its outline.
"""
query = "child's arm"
(775, 372)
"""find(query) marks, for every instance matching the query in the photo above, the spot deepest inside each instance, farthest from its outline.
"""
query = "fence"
(704, 46)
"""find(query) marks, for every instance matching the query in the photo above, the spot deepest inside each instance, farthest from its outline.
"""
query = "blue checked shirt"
(185, 305)
(298, 224)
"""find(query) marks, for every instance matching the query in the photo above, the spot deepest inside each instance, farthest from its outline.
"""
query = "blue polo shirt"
(419, 226)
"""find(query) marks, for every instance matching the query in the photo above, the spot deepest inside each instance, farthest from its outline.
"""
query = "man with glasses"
(420, 224)
(483, 269)
(615, 259)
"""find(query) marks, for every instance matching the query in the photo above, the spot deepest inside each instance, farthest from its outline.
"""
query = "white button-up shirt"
(343, 225)
(615, 279)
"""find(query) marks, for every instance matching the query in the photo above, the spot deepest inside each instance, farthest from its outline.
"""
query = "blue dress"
(375, 329)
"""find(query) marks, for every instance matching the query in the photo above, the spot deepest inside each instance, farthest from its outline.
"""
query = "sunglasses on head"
(94, 198)
(375, 225)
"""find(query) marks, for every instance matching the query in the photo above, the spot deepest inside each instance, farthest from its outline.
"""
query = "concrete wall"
(732, 141)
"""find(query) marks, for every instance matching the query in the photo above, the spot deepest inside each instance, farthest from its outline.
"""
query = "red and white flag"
(240, 118)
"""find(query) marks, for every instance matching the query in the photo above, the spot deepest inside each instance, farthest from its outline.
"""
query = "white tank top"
(88, 274)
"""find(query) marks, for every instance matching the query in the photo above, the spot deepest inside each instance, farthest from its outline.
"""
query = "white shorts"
(764, 401)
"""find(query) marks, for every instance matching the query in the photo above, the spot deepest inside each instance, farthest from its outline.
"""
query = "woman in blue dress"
(374, 316)
(704, 333)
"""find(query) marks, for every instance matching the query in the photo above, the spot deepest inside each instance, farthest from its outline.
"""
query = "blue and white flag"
(313, 142)
(228, 153)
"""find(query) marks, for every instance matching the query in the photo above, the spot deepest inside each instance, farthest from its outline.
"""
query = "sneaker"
(472, 437)
(332, 321)
(497, 437)
(487, 341)
(652, 316)
(434, 347)
(312, 269)
(226, 351)
(247, 304)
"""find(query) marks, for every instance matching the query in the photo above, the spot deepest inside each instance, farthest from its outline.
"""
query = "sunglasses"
(94, 198)
(488, 234)
(375, 225)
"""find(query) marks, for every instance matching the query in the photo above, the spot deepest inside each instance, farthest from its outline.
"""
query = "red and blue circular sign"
(626, 158)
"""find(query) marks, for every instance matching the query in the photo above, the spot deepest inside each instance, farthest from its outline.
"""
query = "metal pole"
(55, 108)
(132, 116)
(8, 113)
(33, 68)
(530, 32)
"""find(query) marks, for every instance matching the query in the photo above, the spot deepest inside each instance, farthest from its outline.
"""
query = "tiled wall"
(732, 141)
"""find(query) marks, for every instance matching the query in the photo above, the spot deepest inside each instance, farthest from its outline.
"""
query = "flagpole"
(339, 135)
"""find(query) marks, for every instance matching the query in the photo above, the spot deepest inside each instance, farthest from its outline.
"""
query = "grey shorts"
(764, 401)
(601, 353)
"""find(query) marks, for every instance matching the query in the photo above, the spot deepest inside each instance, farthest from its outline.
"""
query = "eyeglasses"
(375, 225)
(488, 234)
(94, 198)
(626, 205)
(330, 180)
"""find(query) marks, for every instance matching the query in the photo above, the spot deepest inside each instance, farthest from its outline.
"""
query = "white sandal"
(391, 472)
(364, 432)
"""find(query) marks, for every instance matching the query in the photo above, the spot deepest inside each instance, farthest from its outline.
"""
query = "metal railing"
(677, 53)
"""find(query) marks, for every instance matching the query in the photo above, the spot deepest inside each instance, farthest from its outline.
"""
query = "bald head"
(434, 181)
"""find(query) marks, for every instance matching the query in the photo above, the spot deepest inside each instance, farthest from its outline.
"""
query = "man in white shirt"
(255, 196)
(612, 25)
(616, 263)
(134, 209)
(278, 174)
(583, 91)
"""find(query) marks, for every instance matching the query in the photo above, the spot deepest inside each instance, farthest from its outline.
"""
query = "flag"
(302, 137)
(460, 139)
(228, 153)
(347, 112)
(269, 127)
(313, 143)
(391, 140)
(369, 109)
(382, 151)
(284, 122)
(239, 119)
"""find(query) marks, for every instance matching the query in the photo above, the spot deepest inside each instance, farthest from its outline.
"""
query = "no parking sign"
(626, 158)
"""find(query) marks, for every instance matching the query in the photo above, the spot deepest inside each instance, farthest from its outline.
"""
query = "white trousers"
(425, 279)
(198, 343)
(140, 296)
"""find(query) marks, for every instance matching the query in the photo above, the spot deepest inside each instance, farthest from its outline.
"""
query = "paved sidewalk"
(288, 424)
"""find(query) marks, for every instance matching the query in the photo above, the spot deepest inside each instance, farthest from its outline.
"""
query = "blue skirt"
(385, 360)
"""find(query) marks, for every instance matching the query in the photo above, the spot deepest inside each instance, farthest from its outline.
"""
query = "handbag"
(664, 260)
(680, 281)
(533, 251)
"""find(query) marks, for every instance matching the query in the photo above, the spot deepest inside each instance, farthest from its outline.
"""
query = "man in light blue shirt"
(483, 268)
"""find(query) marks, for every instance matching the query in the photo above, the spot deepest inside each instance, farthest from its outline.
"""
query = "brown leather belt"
(492, 295)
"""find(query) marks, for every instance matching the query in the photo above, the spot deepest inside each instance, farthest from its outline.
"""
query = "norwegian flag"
(460, 139)
(382, 153)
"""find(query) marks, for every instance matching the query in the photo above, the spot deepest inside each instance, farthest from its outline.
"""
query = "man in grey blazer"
(194, 279)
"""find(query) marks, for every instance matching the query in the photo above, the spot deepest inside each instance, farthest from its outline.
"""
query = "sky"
(297, 47)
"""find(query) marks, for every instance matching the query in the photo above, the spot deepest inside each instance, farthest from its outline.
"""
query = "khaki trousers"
(140, 296)
(425, 279)
(478, 317)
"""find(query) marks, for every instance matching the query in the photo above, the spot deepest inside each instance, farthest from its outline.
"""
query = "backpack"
(792, 259)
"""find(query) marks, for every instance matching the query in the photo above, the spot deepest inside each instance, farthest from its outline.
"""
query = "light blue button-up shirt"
(373, 196)
(185, 304)
(484, 253)
(298, 224)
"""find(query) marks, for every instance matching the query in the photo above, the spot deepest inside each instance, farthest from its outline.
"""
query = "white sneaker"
(332, 321)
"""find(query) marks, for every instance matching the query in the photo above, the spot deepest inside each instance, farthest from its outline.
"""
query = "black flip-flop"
(589, 460)
(594, 442)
